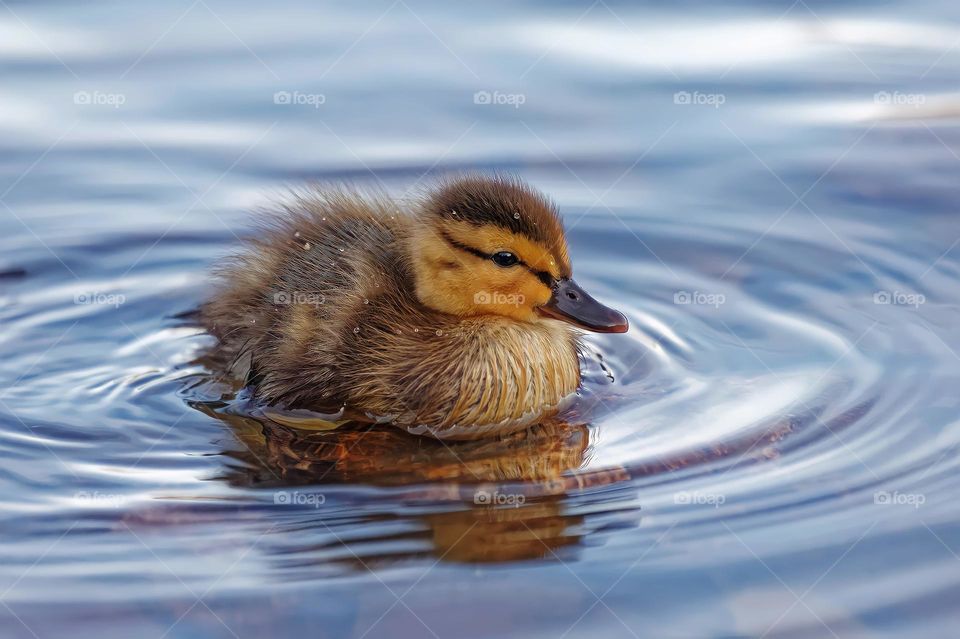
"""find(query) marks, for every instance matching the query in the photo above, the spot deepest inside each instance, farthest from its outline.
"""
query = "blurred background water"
(768, 189)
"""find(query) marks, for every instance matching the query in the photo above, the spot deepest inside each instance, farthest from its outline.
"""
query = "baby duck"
(456, 317)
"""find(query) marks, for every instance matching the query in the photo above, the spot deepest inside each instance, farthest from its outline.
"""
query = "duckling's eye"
(504, 258)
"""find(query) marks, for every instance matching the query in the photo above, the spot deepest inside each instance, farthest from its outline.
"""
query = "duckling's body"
(350, 300)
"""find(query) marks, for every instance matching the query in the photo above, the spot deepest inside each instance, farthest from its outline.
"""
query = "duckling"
(454, 317)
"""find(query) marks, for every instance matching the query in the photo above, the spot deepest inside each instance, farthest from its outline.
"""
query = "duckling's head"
(494, 246)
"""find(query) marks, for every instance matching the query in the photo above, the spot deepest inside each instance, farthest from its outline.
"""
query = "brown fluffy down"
(319, 310)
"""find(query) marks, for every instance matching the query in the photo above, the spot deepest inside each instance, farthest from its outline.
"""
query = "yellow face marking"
(490, 239)
(454, 275)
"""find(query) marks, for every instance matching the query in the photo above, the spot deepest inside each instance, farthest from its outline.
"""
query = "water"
(768, 190)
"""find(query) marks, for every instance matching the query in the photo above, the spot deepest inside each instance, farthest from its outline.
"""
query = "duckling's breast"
(500, 376)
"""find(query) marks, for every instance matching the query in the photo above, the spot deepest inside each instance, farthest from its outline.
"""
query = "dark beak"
(572, 304)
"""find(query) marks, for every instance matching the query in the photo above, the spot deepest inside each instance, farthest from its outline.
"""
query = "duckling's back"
(301, 286)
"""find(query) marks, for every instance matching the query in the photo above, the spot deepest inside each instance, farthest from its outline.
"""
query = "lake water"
(768, 190)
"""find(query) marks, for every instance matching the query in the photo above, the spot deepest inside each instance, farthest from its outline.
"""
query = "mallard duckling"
(455, 317)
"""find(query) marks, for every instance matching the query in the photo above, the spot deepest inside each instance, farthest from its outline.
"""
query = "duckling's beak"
(572, 304)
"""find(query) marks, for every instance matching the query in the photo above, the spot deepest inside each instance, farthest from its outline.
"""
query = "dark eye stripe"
(543, 276)
(464, 247)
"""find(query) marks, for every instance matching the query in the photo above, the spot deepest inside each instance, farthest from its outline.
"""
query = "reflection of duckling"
(444, 318)
(536, 462)
(536, 530)
(505, 491)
